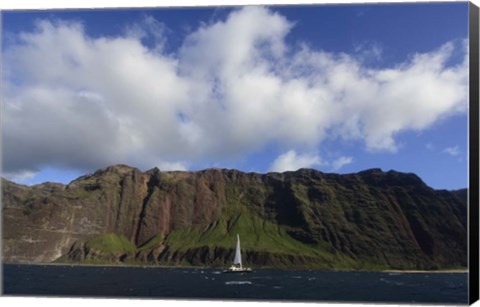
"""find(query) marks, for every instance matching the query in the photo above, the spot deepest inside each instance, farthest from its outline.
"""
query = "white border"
(55, 4)
(71, 4)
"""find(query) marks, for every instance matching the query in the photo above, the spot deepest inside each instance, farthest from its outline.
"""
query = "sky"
(338, 88)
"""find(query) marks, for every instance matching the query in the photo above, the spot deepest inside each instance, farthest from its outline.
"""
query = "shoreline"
(148, 266)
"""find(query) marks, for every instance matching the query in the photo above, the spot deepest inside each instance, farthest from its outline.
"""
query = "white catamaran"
(236, 266)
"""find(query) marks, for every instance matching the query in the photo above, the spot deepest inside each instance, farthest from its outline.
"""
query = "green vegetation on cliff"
(303, 219)
(152, 243)
(111, 243)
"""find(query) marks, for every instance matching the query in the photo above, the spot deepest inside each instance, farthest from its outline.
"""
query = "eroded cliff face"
(42, 222)
(371, 219)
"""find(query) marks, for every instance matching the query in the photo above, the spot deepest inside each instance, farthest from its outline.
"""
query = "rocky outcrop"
(371, 219)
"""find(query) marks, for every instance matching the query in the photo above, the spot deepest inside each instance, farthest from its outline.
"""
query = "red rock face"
(41, 223)
(388, 218)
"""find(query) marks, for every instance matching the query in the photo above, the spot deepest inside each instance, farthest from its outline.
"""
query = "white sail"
(237, 266)
(238, 256)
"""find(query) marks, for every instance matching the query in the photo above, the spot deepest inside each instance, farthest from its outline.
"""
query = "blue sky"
(338, 88)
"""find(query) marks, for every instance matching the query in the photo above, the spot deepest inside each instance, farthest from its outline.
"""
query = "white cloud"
(172, 166)
(453, 151)
(291, 161)
(369, 51)
(149, 28)
(20, 177)
(234, 86)
(340, 162)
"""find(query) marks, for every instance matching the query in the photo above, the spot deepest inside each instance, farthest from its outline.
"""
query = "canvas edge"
(473, 191)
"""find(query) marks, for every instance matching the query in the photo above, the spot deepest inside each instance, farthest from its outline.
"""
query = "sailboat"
(237, 266)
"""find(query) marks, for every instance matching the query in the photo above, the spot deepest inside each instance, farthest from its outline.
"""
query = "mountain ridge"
(304, 218)
(126, 168)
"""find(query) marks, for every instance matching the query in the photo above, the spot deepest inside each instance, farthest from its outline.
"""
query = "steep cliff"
(304, 219)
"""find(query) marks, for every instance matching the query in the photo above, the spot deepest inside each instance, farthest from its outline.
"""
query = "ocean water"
(265, 284)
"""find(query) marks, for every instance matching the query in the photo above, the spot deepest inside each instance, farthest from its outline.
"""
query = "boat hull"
(237, 271)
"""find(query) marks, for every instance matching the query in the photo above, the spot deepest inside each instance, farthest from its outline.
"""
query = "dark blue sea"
(266, 284)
